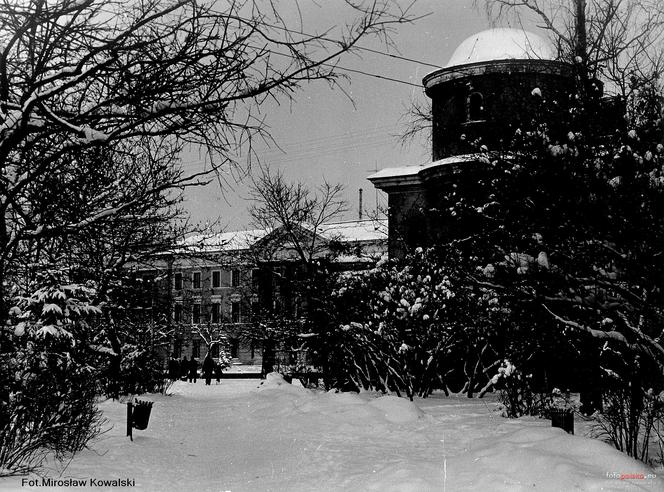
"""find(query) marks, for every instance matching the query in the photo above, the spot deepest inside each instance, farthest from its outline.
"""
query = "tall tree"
(295, 253)
(76, 75)
(614, 41)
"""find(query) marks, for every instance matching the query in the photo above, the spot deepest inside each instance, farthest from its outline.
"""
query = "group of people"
(187, 369)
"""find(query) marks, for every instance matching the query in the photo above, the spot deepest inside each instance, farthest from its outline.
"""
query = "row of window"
(233, 346)
(214, 315)
(196, 279)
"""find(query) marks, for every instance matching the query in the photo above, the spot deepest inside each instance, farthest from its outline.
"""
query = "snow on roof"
(225, 241)
(407, 171)
(357, 230)
(350, 231)
(502, 44)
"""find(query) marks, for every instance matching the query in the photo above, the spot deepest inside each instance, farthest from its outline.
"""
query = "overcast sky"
(323, 135)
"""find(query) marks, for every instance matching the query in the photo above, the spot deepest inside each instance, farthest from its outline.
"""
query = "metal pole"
(360, 206)
(129, 419)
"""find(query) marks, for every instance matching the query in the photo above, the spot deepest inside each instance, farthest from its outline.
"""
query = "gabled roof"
(355, 231)
(237, 241)
(222, 242)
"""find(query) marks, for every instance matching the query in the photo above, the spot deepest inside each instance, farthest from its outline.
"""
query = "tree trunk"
(581, 47)
(581, 44)
(268, 357)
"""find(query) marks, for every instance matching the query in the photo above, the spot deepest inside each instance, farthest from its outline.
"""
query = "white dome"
(502, 44)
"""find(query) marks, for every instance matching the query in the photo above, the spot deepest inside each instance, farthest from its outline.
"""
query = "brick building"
(216, 287)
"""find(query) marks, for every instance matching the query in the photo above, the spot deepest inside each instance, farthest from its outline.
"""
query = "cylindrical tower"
(490, 86)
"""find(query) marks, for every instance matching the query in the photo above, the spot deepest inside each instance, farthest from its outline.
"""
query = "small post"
(129, 419)
(359, 211)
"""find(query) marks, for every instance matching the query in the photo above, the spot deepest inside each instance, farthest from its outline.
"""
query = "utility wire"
(363, 48)
(304, 154)
(377, 76)
(335, 41)
(338, 67)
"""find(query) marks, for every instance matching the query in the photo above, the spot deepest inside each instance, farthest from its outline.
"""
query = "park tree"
(296, 254)
(614, 41)
(138, 76)
(602, 290)
(574, 166)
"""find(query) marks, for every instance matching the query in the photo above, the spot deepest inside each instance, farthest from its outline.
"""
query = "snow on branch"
(647, 346)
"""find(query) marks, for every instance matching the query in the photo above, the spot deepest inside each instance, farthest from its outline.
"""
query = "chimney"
(359, 211)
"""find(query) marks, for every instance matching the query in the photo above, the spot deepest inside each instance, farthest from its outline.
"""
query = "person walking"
(217, 371)
(184, 368)
(173, 369)
(208, 368)
(193, 370)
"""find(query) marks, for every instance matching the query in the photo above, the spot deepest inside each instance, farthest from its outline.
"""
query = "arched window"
(475, 106)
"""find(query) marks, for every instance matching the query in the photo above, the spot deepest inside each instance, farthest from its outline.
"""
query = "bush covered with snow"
(130, 339)
(404, 327)
(50, 386)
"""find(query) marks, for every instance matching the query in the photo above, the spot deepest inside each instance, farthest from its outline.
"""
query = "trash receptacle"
(141, 414)
(564, 419)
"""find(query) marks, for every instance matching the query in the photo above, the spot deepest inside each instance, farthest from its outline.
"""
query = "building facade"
(217, 288)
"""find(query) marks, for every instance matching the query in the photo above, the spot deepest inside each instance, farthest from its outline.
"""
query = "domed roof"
(502, 44)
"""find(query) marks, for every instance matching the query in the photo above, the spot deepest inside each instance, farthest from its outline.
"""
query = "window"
(196, 280)
(216, 313)
(279, 276)
(235, 312)
(178, 313)
(196, 314)
(177, 348)
(297, 307)
(196, 348)
(255, 278)
(235, 278)
(475, 106)
(177, 281)
(235, 346)
(216, 279)
(255, 308)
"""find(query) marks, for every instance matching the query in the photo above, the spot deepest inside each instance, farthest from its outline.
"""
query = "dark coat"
(193, 367)
(174, 369)
(208, 367)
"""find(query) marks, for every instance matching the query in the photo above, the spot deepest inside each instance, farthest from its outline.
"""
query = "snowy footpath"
(245, 436)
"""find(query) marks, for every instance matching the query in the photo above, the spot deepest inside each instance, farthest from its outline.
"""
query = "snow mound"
(397, 410)
(547, 459)
(345, 398)
(285, 438)
(274, 378)
(275, 381)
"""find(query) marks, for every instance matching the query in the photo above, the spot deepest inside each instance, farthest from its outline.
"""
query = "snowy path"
(284, 438)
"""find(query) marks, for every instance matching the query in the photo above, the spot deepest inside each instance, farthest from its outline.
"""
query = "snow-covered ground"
(280, 437)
